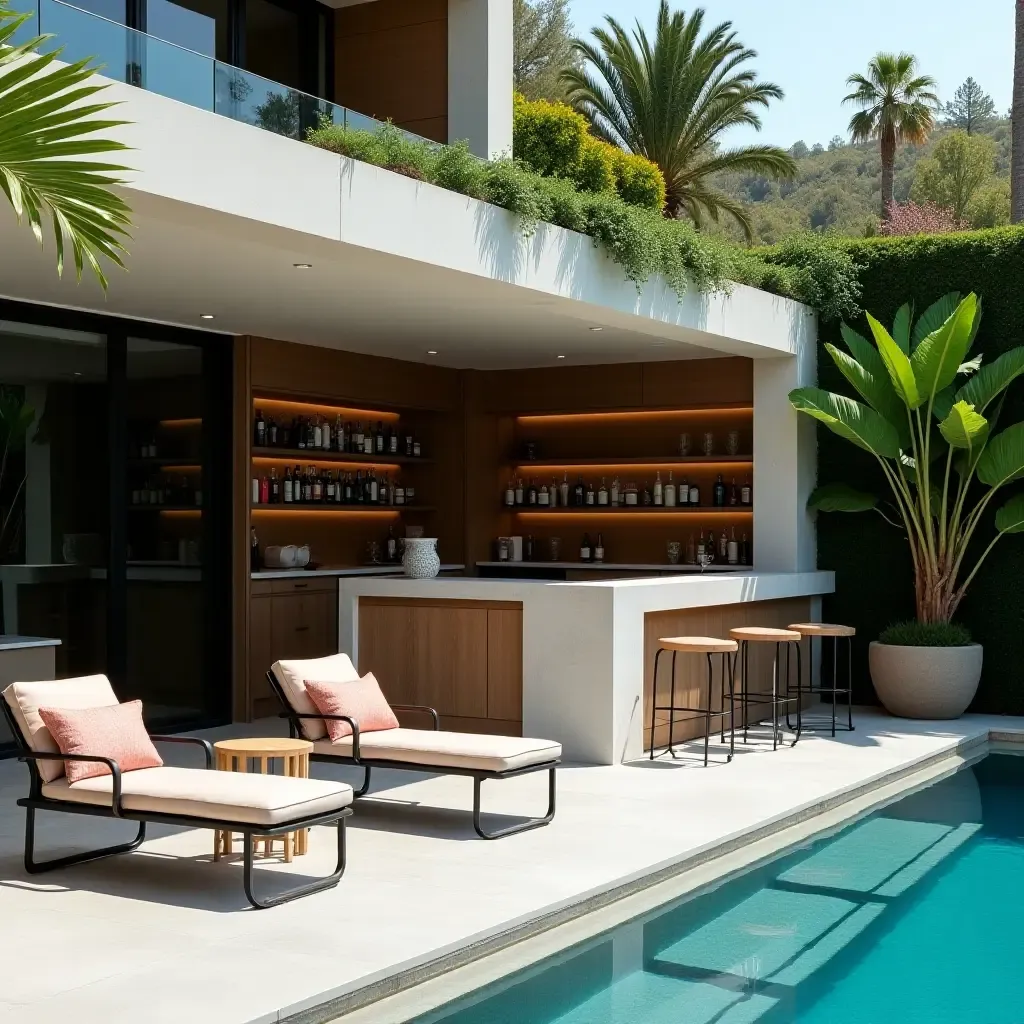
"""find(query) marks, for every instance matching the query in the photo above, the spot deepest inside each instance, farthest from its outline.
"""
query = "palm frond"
(47, 125)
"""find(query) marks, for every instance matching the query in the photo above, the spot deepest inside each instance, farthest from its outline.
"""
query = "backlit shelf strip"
(650, 414)
(632, 510)
(325, 508)
(712, 462)
(298, 407)
(311, 456)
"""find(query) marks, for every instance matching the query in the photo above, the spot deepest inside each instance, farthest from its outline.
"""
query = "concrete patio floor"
(166, 935)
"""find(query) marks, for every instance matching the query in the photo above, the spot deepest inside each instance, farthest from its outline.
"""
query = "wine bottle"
(746, 494)
(520, 494)
(694, 494)
(563, 491)
(287, 485)
(599, 549)
(275, 487)
(510, 493)
(691, 551)
(585, 548)
(378, 441)
(670, 492)
(733, 551)
(734, 494)
(718, 495)
(578, 492)
(531, 493)
(590, 495)
(684, 492)
(260, 430)
(659, 490)
(745, 553)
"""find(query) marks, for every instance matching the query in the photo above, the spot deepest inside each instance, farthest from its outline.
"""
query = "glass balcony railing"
(142, 60)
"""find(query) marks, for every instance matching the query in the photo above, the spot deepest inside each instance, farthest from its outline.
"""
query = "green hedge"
(874, 584)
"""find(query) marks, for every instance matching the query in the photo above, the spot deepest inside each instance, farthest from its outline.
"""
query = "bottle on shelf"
(543, 498)
(417, 451)
(553, 493)
(510, 493)
(264, 490)
(658, 494)
(602, 493)
(691, 551)
(374, 491)
(718, 495)
(646, 497)
(746, 493)
(631, 496)
(599, 549)
(329, 488)
(528, 547)
(357, 439)
(338, 437)
(520, 493)
(254, 551)
(391, 545)
(260, 430)
(701, 548)
(578, 492)
(670, 492)
(318, 434)
(393, 441)
(746, 557)
(325, 435)
(316, 485)
(590, 495)
(684, 492)
(144, 493)
(733, 549)
(616, 493)
(378, 439)
(272, 433)
(723, 547)
(585, 548)
(275, 487)
(399, 493)
(408, 445)
(563, 491)
(733, 497)
(694, 494)
(368, 442)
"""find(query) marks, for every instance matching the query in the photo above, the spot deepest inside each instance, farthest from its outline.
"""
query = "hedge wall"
(874, 583)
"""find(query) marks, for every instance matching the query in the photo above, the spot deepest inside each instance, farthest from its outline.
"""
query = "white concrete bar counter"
(583, 643)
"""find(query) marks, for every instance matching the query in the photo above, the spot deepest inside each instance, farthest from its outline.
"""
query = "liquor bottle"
(701, 549)
(378, 439)
(746, 494)
(339, 434)
(318, 434)
(374, 492)
(553, 493)
(287, 485)
(345, 444)
(408, 445)
(300, 433)
(264, 490)
(275, 488)
(599, 549)
(590, 495)
(746, 557)
(347, 496)
(543, 498)
(733, 550)
(723, 547)
(528, 547)
(670, 492)
(563, 491)
(691, 551)
(646, 497)
(578, 492)
(510, 493)
(285, 435)
(254, 551)
(684, 492)
(602, 493)
(718, 497)
(145, 493)
(368, 442)
(325, 435)
(630, 494)
(393, 441)
(417, 451)
(520, 493)
(339, 489)
(357, 439)
(272, 433)
(317, 485)
(616, 495)
(585, 548)
(694, 494)
(260, 430)
(531, 493)
(734, 494)
(399, 493)
(659, 490)
(329, 489)
(391, 545)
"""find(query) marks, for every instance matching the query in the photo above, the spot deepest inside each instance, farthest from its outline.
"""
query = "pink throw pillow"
(116, 731)
(360, 699)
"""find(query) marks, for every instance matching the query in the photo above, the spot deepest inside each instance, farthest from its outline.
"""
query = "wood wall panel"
(698, 382)
(391, 61)
(241, 404)
(691, 670)
(505, 664)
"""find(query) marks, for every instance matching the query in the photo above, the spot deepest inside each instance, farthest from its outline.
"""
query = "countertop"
(615, 567)
(17, 643)
(341, 570)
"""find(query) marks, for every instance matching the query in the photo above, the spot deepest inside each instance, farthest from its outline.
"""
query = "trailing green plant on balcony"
(928, 416)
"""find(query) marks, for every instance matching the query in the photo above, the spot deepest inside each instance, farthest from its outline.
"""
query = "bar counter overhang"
(587, 647)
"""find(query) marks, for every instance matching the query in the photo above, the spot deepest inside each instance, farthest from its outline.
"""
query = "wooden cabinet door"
(261, 655)
(505, 664)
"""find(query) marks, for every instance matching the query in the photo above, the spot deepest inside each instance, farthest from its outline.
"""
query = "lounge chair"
(260, 805)
(433, 751)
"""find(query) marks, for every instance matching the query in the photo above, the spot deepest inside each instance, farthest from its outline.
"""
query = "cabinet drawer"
(312, 585)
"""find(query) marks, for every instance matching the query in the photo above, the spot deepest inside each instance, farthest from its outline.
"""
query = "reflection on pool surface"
(914, 915)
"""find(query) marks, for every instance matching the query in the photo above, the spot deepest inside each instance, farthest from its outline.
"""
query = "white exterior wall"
(480, 75)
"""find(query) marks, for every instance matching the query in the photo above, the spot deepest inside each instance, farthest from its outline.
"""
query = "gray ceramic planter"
(932, 683)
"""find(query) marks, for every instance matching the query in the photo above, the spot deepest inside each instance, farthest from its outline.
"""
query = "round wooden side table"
(234, 756)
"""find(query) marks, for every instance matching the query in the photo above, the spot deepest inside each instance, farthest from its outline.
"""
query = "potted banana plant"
(928, 413)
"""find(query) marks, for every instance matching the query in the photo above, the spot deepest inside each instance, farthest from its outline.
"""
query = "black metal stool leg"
(849, 680)
(799, 694)
(654, 696)
(672, 709)
(707, 709)
(744, 702)
(775, 700)
(835, 680)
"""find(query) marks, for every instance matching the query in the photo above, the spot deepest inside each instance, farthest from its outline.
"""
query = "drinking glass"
(555, 544)
(684, 444)
(709, 443)
(373, 552)
(732, 442)
(674, 549)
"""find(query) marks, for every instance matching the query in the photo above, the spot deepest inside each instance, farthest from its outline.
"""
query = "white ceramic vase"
(931, 683)
(420, 560)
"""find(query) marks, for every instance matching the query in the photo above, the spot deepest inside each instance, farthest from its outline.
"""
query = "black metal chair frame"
(367, 763)
(728, 668)
(776, 698)
(822, 690)
(36, 801)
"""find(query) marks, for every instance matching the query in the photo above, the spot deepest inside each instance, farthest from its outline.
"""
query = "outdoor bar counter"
(569, 661)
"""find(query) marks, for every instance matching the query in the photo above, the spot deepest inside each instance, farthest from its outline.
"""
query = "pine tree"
(971, 109)
(542, 47)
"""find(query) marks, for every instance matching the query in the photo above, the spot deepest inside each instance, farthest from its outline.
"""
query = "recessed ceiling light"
(205, 316)
(303, 266)
(431, 351)
(560, 357)
(597, 328)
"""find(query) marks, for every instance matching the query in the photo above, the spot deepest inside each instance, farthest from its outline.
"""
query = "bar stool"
(708, 646)
(824, 630)
(788, 638)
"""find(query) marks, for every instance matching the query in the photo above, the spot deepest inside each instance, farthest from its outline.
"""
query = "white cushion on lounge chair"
(202, 793)
(25, 700)
(475, 751)
(292, 675)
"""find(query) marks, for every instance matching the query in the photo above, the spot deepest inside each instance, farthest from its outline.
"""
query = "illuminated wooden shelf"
(325, 506)
(290, 455)
(631, 510)
(654, 460)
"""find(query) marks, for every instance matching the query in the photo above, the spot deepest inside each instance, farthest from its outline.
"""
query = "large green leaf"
(840, 498)
(992, 379)
(857, 423)
(965, 428)
(901, 326)
(897, 364)
(1003, 458)
(873, 386)
(933, 318)
(943, 402)
(1010, 518)
(938, 356)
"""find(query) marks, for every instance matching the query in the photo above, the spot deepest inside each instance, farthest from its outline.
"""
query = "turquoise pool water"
(914, 915)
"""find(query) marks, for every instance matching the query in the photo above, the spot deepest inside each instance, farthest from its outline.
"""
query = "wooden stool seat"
(764, 635)
(698, 644)
(823, 629)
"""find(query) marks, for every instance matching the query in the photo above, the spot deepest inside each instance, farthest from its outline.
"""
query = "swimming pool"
(913, 915)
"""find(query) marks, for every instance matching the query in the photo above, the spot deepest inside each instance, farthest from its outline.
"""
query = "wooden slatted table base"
(234, 756)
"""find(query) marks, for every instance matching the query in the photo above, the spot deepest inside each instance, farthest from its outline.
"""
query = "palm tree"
(43, 124)
(1017, 123)
(672, 100)
(899, 106)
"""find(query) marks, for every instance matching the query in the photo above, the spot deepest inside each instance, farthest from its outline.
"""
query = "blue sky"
(809, 47)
